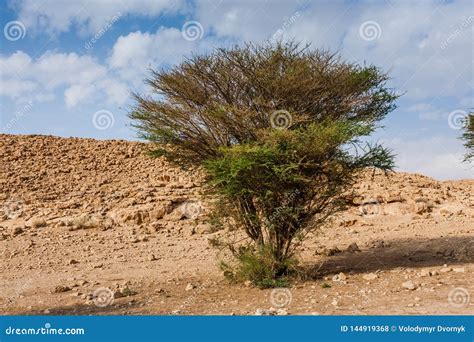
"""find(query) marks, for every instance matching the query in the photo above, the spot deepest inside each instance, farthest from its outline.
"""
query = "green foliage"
(468, 137)
(279, 130)
(258, 265)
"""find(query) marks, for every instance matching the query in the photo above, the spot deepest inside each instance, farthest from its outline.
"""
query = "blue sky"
(67, 67)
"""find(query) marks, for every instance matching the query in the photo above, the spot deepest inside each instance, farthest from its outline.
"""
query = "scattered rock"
(38, 223)
(339, 277)
(425, 273)
(17, 230)
(61, 288)
(271, 312)
(445, 269)
(353, 248)
(409, 285)
(370, 276)
(332, 251)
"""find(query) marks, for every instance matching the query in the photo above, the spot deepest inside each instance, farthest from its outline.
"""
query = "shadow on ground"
(396, 253)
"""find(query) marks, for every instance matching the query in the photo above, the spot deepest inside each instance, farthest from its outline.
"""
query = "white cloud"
(426, 111)
(133, 54)
(53, 17)
(426, 46)
(82, 78)
(439, 157)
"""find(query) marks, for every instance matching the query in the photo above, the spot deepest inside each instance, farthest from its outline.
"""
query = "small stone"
(353, 248)
(409, 285)
(46, 312)
(425, 273)
(73, 262)
(151, 257)
(334, 303)
(61, 288)
(281, 312)
(248, 283)
(38, 223)
(339, 277)
(189, 287)
(446, 269)
(459, 269)
(332, 251)
(370, 276)
(17, 230)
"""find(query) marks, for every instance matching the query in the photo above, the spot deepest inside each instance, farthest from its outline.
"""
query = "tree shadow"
(395, 254)
(87, 309)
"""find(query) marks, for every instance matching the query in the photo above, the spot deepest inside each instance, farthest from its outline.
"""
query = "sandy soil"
(82, 219)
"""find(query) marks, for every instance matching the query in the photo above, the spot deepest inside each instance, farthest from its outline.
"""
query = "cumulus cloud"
(440, 157)
(426, 46)
(81, 78)
(132, 55)
(88, 17)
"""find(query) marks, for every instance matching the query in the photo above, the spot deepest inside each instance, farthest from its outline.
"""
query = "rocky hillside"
(81, 214)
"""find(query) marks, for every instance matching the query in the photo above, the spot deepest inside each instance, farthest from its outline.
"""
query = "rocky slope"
(81, 215)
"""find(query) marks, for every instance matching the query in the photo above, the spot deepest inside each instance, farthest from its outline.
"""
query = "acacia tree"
(468, 137)
(279, 130)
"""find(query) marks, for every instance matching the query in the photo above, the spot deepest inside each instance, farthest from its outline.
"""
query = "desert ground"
(81, 216)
